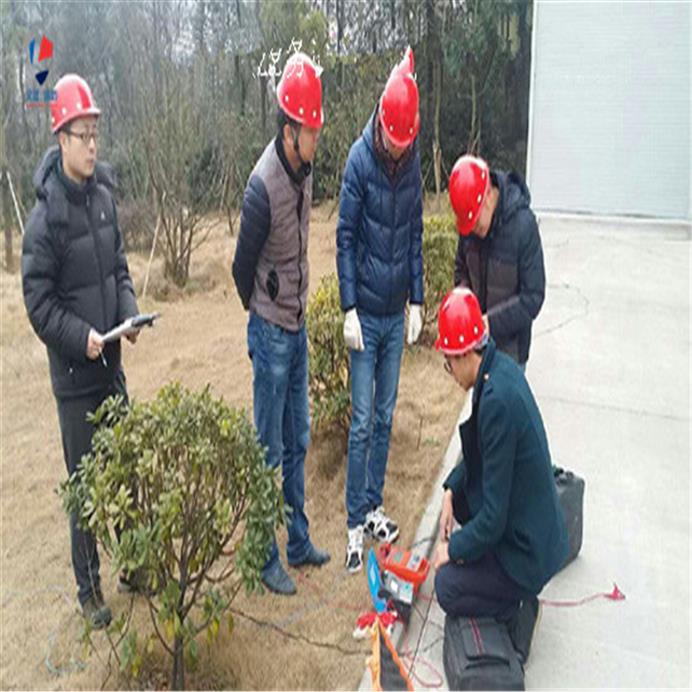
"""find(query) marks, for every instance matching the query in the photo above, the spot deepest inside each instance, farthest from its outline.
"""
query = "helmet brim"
(75, 116)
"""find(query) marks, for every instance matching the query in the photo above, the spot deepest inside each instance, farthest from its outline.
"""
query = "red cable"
(614, 595)
(407, 655)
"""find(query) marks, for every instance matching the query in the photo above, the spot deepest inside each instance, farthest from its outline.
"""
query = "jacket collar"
(52, 185)
(75, 192)
(298, 177)
(484, 370)
(514, 196)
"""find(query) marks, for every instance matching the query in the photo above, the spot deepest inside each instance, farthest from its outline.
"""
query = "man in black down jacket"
(499, 255)
(77, 286)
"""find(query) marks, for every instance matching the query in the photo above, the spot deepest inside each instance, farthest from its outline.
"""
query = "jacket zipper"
(391, 249)
(300, 253)
(97, 247)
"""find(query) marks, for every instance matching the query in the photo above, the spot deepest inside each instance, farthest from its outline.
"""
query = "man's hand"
(415, 324)
(94, 345)
(132, 337)
(441, 555)
(353, 334)
(446, 517)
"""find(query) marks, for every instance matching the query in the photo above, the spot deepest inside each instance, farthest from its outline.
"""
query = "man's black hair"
(282, 119)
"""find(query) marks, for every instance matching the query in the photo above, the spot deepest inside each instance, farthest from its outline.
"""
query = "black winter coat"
(505, 269)
(75, 275)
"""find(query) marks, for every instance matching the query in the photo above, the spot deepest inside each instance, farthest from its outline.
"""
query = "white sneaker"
(354, 551)
(380, 527)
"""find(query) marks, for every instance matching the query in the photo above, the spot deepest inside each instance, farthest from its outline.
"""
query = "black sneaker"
(96, 611)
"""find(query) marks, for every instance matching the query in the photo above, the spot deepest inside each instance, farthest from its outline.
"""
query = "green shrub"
(171, 486)
(439, 251)
(330, 370)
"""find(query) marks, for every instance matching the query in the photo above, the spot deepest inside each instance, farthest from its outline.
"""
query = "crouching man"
(513, 536)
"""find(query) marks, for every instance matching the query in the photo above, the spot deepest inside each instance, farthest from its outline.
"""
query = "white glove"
(353, 335)
(415, 323)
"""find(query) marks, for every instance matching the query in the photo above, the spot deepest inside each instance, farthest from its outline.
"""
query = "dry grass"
(200, 339)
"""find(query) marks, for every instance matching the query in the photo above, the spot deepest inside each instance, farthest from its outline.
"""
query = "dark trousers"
(76, 434)
(479, 588)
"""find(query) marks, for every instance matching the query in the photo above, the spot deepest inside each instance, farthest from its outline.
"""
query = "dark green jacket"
(506, 474)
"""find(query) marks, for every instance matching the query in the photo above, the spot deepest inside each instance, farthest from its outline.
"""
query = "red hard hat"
(468, 187)
(74, 100)
(300, 91)
(399, 115)
(460, 323)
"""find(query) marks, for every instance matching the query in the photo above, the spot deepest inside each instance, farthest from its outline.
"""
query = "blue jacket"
(507, 477)
(379, 236)
(505, 269)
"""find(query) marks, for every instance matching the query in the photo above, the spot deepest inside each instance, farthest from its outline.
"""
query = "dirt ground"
(200, 339)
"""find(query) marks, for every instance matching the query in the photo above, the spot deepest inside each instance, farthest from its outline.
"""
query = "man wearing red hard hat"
(499, 254)
(380, 266)
(77, 286)
(271, 272)
(513, 536)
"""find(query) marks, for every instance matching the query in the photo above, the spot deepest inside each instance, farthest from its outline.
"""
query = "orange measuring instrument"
(404, 564)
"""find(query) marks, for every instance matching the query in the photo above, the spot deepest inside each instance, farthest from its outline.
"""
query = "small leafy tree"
(439, 251)
(330, 368)
(177, 492)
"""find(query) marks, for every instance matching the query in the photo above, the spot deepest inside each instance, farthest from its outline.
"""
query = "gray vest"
(281, 279)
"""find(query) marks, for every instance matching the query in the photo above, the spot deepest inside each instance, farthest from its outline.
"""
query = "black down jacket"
(74, 274)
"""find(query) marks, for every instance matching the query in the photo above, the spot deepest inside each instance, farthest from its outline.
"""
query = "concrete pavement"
(610, 369)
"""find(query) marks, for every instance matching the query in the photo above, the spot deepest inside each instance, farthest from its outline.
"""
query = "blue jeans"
(374, 386)
(282, 418)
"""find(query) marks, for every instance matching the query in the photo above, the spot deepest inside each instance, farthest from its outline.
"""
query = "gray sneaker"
(96, 611)
(276, 579)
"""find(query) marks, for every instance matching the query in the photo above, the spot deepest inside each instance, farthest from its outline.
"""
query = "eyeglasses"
(448, 365)
(85, 136)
